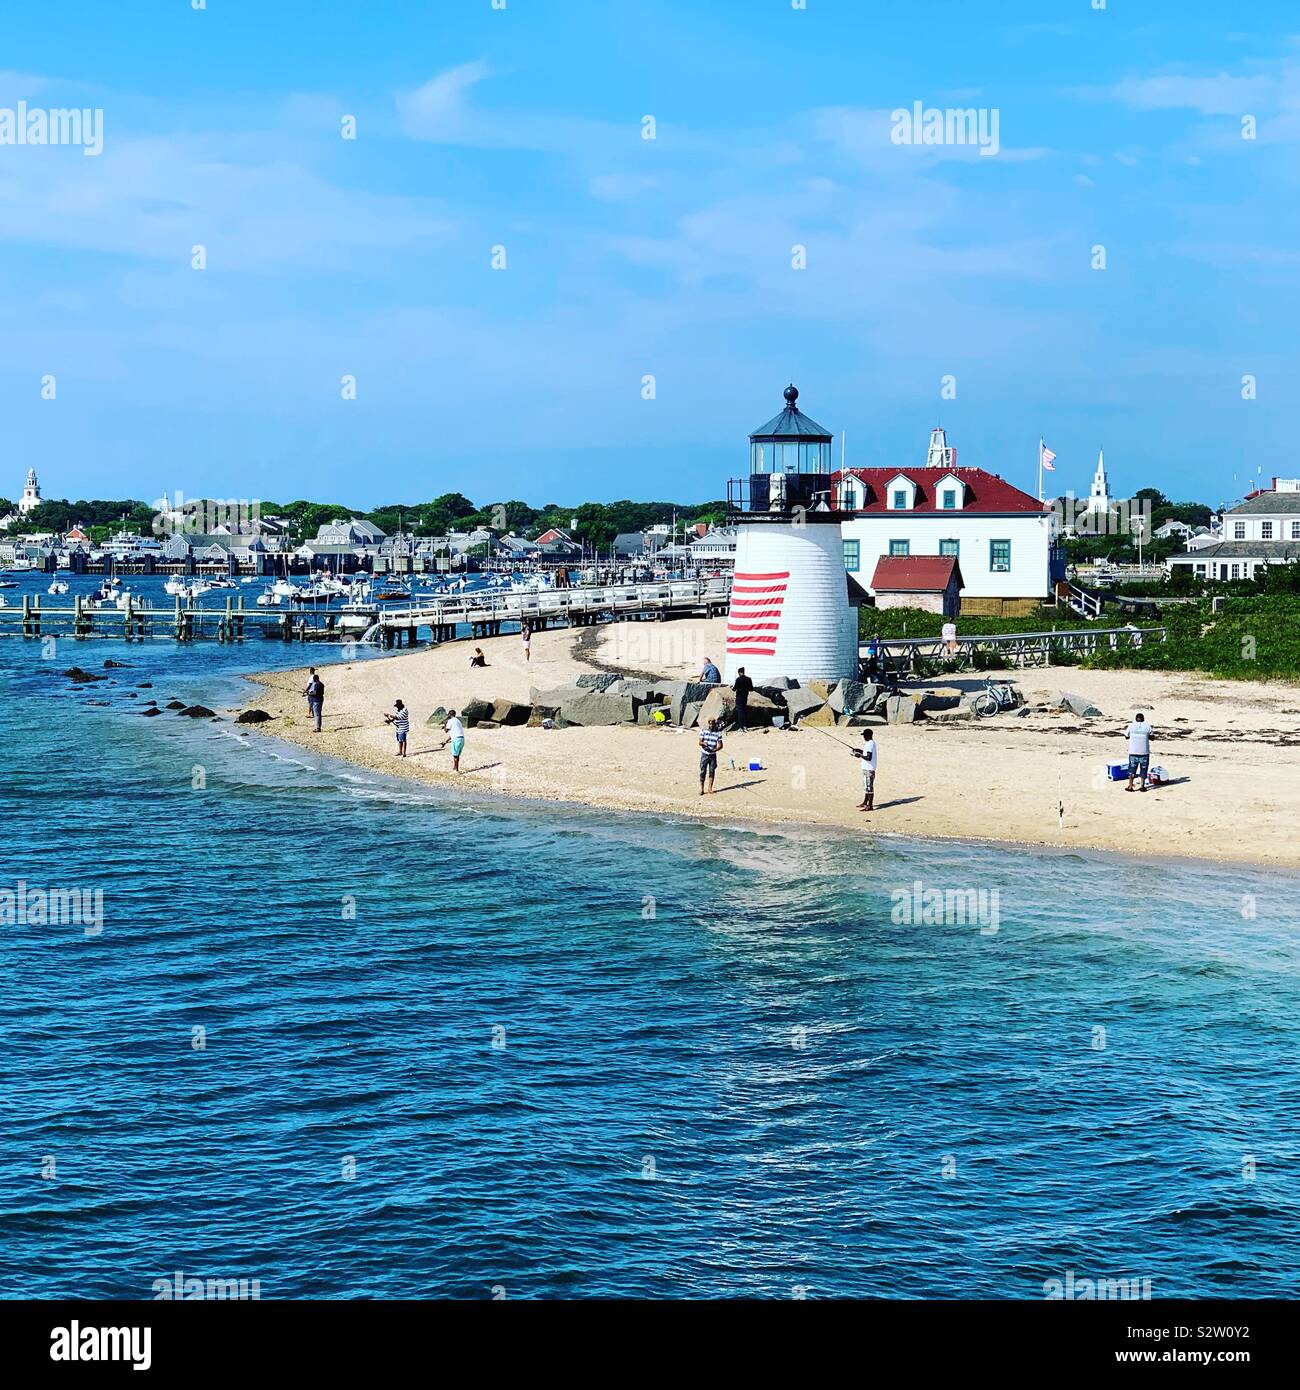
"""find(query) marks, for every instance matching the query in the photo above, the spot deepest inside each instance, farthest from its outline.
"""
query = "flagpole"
(1040, 467)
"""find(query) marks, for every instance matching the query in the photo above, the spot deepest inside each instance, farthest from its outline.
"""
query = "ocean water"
(452, 1046)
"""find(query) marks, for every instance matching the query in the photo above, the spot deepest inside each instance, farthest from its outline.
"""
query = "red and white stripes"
(755, 617)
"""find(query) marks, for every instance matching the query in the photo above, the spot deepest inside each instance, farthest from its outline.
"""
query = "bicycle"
(994, 699)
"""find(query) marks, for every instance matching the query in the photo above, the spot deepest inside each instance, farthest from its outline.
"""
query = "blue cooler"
(1117, 769)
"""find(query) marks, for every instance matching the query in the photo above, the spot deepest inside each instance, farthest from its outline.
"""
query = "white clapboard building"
(1004, 539)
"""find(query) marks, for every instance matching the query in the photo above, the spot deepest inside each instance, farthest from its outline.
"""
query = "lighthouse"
(790, 613)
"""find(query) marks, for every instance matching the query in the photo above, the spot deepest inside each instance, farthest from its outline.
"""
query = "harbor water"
(351, 1038)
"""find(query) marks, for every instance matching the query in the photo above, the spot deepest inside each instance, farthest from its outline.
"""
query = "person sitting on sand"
(710, 675)
(455, 732)
(478, 659)
(1139, 750)
(710, 743)
(870, 755)
(400, 719)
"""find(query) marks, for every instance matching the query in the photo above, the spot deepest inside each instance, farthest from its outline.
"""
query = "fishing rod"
(833, 739)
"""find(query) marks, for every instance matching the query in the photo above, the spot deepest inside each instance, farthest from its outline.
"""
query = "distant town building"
(352, 532)
(1262, 530)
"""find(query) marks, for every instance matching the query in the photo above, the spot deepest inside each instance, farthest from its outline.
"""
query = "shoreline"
(483, 798)
(929, 787)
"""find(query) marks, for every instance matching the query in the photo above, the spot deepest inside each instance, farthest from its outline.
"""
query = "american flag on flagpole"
(1047, 457)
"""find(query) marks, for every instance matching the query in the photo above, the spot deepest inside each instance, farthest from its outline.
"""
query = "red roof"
(984, 492)
(914, 574)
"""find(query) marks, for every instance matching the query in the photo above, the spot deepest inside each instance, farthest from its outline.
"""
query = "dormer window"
(951, 493)
(901, 492)
(853, 495)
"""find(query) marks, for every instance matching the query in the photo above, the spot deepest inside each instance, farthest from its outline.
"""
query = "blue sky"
(522, 127)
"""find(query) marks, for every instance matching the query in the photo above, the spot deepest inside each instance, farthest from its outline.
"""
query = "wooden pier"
(183, 622)
(487, 613)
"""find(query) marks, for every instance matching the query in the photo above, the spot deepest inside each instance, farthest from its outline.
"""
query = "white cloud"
(438, 110)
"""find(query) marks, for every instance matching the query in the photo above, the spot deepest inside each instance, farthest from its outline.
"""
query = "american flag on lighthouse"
(755, 617)
(1047, 457)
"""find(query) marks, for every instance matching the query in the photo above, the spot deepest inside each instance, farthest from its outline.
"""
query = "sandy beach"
(1232, 748)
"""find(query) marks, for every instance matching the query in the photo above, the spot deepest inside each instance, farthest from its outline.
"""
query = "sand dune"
(1234, 748)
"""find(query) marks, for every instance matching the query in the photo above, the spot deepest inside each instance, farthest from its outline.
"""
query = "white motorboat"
(57, 586)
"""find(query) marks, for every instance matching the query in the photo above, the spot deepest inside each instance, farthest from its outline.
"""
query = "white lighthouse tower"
(790, 613)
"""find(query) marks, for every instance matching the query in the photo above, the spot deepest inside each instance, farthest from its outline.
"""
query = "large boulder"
(823, 717)
(252, 716)
(942, 699)
(1076, 704)
(901, 709)
(775, 693)
(690, 716)
(822, 688)
(553, 699)
(595, 707)
(679, 694)
(509, 712)
(475, 711)
(959, 713)
(597, 680)
(801, 703)
(197, 712)
(719, 704)
(80, 677)
(437, 717)
(852, 697)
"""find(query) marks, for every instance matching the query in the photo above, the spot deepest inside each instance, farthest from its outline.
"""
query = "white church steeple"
(1099, 497)
(31, 498)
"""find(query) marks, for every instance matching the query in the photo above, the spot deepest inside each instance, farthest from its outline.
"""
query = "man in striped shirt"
(710, 743)
(400, 719)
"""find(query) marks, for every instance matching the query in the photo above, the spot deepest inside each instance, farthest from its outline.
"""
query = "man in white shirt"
(455, 732)
(1139, 750)
(870, 755)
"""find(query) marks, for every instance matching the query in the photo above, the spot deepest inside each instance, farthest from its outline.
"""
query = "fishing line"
(833, 739)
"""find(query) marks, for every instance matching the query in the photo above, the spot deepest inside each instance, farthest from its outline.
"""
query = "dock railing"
(901, 655)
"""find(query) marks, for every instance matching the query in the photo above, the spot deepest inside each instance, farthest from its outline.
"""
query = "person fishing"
(455, 732)
(710, 745)
(870, 755)
(315, 693)
(400, 719)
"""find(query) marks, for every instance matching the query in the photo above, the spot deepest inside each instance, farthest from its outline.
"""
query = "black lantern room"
(789, 462)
